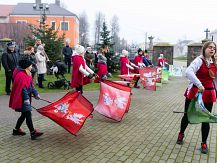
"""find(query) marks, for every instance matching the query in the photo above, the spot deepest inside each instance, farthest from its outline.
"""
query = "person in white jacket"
(41, 65)
(202, 75)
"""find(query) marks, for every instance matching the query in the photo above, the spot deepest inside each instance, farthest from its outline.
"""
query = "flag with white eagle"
(148, 77)
(70, 111)
(114, 100)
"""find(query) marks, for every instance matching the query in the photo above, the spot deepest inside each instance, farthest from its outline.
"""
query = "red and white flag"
(70, 111)
(125, 83)
(114, 100)
(159, 75)
(129, 77)
(148, 77)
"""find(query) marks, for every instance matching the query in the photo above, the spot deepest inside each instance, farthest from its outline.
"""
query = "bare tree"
(100, 18)
(14, 31)
(123, 44)
(115, 33)
(83, 29)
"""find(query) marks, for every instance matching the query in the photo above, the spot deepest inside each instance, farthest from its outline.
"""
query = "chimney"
(38, 2)
(57, 2)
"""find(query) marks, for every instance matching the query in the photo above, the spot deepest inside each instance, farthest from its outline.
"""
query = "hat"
(24, 63)
(139, 50)
(125, 52)
(40, 47)
(11, 44)
(79, 49)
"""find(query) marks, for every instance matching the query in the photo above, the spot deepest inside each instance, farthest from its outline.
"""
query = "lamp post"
(42, 8)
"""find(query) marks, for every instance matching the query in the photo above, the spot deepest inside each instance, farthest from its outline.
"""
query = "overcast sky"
(167, 20)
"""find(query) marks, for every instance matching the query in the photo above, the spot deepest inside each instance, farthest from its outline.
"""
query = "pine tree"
(112, 59)
(48, 36)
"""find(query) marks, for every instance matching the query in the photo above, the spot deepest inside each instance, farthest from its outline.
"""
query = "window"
(21, 22)
(64, 26)
(53, 25)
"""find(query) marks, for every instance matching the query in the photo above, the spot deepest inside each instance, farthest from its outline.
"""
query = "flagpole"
(179, 112)
(45, 100)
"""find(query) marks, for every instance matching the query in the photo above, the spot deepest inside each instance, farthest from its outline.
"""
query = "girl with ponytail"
(202, 75)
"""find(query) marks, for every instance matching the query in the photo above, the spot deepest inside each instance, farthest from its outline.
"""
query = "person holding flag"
(161, 61)
(201, 73)
(125, 64)
(138, 61)
(20, 97)
(102, 64)
(80, 70)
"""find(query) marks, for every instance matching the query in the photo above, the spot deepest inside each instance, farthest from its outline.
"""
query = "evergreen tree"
(48, 36)
(112, 59)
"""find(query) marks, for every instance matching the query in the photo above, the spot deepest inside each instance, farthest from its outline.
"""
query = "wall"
(72, 34)
(166, 50)
(194, 50)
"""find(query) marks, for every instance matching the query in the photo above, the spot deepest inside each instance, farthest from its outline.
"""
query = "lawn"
(52, 78)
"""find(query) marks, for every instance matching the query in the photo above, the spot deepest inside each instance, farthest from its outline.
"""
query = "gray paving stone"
(147, 133)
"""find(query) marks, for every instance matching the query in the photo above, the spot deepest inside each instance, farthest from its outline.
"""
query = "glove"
(37, 97)
(27, 102)
(90, 76)
(104, 77)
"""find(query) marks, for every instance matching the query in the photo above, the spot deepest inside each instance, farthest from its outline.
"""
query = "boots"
(18, 132)
(35, 134)
(180, 138)
(204, 148)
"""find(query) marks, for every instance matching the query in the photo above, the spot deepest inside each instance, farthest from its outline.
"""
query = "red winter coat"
(21, 80)
(123, 68)
(137, 59)
(77, 76)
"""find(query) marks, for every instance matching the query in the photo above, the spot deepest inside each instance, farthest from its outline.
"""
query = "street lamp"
(42, 8)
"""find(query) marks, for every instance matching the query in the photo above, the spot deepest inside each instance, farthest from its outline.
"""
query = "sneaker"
(18, 132)
(204, 148)
(180, 138)
(36, 134)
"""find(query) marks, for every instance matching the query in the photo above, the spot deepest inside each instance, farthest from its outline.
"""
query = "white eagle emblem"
(63, 108)
(76, 118)
(120, 102)
(107, 100)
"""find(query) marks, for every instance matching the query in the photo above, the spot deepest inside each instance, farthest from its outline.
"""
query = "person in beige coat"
(41, 65)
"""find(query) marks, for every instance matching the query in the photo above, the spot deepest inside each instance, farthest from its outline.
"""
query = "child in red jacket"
(20, 97)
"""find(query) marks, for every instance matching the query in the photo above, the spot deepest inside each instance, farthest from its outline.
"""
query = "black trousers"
(204, 126)
(68, 63)
(137, 80)
(80, 88)
(8, 82)
(28, 116)
(40, 80)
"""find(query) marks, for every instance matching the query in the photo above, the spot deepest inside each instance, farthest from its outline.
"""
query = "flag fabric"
(197, 113)
(129, 77)
(159, 75)
(177, 71)
(70, 111)
(148, 77)
(171, 70)
(125, 83)
(165, 76)
(114, 100)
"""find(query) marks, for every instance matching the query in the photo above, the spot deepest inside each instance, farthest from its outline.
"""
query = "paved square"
(147, 133)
